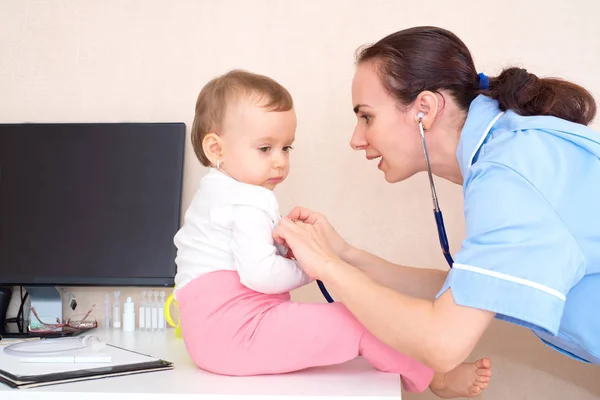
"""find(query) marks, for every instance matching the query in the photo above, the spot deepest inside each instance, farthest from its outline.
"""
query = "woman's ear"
(213, 147)
(427, 104)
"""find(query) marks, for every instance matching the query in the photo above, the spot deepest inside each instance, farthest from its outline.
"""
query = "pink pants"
(232, 330)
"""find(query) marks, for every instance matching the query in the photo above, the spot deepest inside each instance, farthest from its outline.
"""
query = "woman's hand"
(309, 245)
(338, 244)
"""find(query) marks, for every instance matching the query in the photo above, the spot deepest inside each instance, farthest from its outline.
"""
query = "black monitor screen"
(90, 204)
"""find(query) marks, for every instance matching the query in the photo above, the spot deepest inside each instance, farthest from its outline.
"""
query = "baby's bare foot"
(466, 380)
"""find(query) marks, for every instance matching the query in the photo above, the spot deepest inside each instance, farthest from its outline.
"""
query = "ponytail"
(431, 58)
(528, 95)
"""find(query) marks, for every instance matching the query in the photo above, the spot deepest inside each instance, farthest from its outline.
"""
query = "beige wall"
(99, 61)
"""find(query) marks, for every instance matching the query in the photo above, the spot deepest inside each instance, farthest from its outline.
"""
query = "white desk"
(355, 380)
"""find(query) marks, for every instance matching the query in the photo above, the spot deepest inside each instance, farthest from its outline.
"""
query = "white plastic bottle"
(142, 312)
(117, 311)
(155, 311)
(148, 311)
(129, 315)
(107, 310)
(161, 312)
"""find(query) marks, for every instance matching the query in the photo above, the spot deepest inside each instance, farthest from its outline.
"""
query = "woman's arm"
(441, 334)
(415, 282)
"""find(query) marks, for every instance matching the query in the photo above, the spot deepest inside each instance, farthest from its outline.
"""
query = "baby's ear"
(213, 147)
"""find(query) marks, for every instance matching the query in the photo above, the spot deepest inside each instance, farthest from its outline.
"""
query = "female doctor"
(530, 171)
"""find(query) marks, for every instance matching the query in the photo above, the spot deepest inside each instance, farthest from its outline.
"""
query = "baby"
(233, 282)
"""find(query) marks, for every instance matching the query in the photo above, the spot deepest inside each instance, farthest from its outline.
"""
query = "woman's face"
(385, 130)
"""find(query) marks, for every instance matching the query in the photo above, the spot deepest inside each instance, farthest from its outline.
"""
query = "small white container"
(129, 315)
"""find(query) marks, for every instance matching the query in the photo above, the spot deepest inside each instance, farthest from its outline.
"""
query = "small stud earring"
(218, 164)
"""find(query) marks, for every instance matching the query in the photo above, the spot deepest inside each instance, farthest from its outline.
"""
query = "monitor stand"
(5, 296)
(47, 303)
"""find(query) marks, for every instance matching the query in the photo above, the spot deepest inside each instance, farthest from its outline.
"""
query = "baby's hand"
(283, 250)
(290, 254)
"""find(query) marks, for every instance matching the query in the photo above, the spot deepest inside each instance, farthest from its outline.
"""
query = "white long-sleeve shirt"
(229, 226)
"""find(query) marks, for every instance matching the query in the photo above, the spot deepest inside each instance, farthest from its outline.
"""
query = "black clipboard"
(23, 381)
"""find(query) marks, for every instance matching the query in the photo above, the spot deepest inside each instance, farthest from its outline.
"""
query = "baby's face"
(257, 144)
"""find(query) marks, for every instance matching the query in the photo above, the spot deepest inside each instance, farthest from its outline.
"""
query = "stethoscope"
(437, 213)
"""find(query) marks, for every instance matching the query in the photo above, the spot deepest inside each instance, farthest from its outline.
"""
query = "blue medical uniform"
(532, 207)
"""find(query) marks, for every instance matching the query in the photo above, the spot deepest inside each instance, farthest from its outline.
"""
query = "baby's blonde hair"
(221, 92)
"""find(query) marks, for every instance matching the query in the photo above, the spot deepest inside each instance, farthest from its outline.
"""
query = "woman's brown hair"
(430, 58)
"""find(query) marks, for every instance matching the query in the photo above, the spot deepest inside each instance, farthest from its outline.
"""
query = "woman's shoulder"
(544, 144)
(569, 130)
(548, 161)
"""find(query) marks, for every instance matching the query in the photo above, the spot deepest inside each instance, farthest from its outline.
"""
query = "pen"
(68, 359)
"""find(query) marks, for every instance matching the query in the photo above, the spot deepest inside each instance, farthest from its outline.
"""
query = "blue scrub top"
(532, 207)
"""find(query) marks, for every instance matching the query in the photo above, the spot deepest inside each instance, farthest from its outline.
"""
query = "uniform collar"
(483, 114)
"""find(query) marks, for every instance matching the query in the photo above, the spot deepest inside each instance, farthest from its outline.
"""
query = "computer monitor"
(88, 204)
